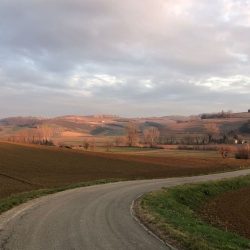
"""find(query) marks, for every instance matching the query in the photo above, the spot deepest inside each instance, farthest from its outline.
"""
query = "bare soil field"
(10, 186)
(26, 167)
(231, 211)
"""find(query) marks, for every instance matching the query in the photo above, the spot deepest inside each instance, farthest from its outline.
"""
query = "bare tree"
(92, 144)
(108, 145)
(86, 145)
(132, 134)
(212, 130)
(119, 141)
(151, 136)
(199, 139)
(45, 132)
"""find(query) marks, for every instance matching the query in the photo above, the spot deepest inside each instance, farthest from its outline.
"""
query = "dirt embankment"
(231, 211)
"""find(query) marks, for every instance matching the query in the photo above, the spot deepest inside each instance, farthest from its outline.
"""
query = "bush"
(245, 128)
(47, 142)
(243, 152)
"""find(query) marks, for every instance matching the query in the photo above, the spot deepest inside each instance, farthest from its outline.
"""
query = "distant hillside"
(21, 121)
(75, 128)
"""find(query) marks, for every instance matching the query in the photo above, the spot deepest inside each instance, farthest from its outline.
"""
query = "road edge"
(144, 226)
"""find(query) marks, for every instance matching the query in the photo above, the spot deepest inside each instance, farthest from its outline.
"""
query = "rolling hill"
(75, 128)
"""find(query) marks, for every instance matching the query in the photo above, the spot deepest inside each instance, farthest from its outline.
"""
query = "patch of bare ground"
(230, 211)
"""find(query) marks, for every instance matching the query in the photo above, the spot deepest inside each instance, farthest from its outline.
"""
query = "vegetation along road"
(95, 217)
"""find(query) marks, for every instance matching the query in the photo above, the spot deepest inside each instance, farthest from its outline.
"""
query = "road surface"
(89, 218)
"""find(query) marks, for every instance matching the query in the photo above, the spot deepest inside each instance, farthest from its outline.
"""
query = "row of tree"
(40, 135)
(219, 115)
(151, 135)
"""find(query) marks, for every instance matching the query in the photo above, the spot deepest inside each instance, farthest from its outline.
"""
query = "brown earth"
(10, 186)
(231, 211)
(25, 167)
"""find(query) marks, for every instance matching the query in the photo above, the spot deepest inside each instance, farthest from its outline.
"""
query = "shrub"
(243, 152)
(47, 142)
(245, 128)
(224, 151)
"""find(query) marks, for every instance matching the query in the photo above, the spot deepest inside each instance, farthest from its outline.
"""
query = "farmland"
(230, 211)
(29, 167)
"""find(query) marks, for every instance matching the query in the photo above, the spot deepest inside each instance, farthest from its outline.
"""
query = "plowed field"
(231, 211)
(24, 167)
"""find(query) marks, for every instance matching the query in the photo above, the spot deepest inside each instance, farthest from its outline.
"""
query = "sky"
(128, 58)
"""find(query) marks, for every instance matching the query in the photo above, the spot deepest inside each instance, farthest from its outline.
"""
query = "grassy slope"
(173, 214)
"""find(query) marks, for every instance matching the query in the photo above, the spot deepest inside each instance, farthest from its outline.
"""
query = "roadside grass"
(17, 199)
(173, 214)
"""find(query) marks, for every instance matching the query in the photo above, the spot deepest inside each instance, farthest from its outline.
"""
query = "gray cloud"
(150, 57)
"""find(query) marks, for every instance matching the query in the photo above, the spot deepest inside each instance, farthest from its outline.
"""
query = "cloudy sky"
(130, 58)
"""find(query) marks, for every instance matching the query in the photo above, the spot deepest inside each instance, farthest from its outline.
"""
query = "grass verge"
(173, 215)
(17, 199)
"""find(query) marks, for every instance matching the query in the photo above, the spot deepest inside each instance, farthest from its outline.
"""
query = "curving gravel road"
(96, 217)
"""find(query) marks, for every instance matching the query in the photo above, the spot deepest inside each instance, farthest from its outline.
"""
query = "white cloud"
(237, 12)
(146, 52)
(235, 84)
